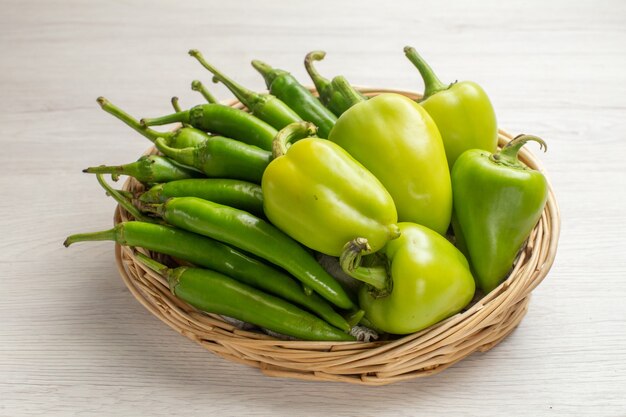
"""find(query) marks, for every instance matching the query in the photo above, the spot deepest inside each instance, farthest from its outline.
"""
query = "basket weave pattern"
(480, 327)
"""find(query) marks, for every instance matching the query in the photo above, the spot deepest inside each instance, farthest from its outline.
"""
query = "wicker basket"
(480, 327)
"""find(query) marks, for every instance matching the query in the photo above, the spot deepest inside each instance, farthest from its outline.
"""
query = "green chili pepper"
(214, 255)
(223, 120)
(253, 235)
(285, 86)
(234, 193)
(461, 110)
(398, 142)
(213, 292)
(180, 138)
(320, 196)
(264, 106)
(149, 169)
(422, 280)
(497, 202)
(221, 157)
(337, 95)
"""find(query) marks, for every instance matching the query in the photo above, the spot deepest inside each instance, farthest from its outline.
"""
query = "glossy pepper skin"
(322, 197)
(497, 202)
(213, 292)
(398, 142)
(285, 86)
(424, 280)
(462, 111)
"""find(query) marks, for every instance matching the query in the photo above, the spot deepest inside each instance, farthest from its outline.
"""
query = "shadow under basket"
(480, 327)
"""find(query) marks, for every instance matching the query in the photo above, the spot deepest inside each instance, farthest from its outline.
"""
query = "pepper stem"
(269, 74)
(177, 109)
(246, 96)
(196, 85)
(186, 156)
(178, 117)
(320, 82)
(350, 95)
(350, 262)
(152, 264)
(291, 133)
(120, 114)
(127, 205)
(111, 234)
(432, 84)
(508, 154)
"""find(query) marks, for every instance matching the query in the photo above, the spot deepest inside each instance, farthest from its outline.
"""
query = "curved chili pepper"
(264, 106)
(221, 157)
(461, 110)
(285, 86)
(234, 193)
(180, 138)
(223, 120)
(213, 292)
(253, 235)
(149, 169)
(337, 95)
(209, 253)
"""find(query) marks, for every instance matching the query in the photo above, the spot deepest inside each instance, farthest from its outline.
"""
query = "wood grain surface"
(73, 341)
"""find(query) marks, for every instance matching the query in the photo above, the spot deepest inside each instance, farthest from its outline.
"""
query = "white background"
(73, 341)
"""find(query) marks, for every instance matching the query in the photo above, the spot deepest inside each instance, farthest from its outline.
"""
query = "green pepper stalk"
(497, 202)
(221, 157)
(337, 95)
(180, 138)
(213, 292)
(196, 85)
(211, 254)
(255, 236)
(462, 111)
(176, 105)
(264, 106)
(149, 169)
(315, 192)
(234, 193)
(421, 280)
(283, 85)
(224, 120)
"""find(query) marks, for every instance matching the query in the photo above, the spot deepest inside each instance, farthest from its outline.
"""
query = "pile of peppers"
(411, 200)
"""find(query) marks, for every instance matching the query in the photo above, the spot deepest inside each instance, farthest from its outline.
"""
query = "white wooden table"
(73, 341)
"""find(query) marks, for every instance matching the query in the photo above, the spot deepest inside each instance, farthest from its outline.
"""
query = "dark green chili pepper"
(223, 120)
(221, 157)
(209, 253)
(199, 87)
(149, 169)
(234, 193)
(180, 138)
(213, 292)
(253, 235)
(338, 95)
(264, 106)
(285, 86)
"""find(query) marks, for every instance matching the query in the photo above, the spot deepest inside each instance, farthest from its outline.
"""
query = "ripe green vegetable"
(462, 111)
(497, 202)
(398, 142)
(422, 280)
(319, 195)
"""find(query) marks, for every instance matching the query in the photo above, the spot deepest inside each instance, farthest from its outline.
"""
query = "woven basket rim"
(488, 321)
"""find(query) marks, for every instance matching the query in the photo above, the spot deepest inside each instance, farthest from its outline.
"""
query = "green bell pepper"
(320, 196)
(461, 110)
(398, 142)
(421, 280)
(497, 202)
